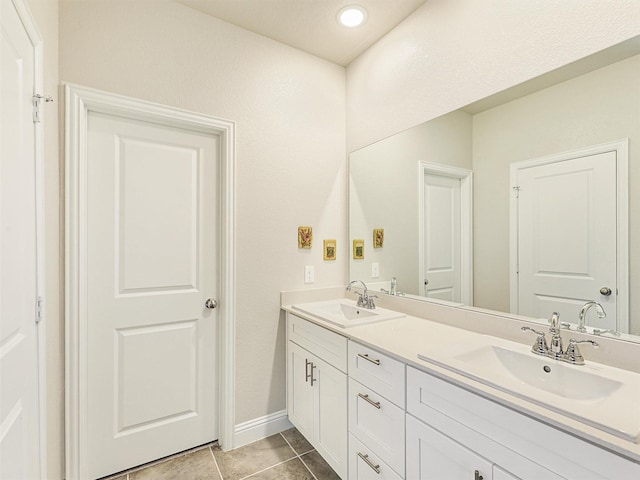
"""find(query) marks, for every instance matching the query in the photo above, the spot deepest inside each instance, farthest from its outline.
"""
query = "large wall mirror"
(526, 202)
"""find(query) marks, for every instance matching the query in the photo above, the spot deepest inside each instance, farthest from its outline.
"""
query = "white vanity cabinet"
(452, 429)
(317, 389)
(376, 414)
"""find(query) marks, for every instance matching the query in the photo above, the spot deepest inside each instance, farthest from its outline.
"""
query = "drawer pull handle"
(366, 357)
(307, 376)
(478, 476)
(365, 458)
(371, 402)
(313, 379)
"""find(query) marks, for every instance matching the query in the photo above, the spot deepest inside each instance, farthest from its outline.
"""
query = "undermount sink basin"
(345, 313)
(598, 395)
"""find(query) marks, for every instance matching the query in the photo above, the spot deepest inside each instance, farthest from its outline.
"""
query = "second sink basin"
(345, 313)
(601, 396)
(554, 377)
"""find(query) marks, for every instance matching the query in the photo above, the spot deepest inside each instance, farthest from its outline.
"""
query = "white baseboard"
(258, 428)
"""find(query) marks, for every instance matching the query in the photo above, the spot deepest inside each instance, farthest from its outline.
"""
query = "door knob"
(606, 291)
(211, 303)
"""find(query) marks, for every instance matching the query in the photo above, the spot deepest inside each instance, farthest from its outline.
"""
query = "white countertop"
(404, 338)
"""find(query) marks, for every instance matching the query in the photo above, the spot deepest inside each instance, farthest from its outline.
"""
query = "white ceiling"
(310, 25)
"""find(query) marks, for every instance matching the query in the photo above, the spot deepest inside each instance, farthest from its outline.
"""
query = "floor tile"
(320, 468)
(299, 444)
(291, 470)
(193, 466)
(253, 458)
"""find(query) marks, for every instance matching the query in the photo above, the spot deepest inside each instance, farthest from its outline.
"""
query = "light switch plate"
(375, 270)
(309, 274)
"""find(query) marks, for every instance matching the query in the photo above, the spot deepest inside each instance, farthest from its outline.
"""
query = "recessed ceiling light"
(352, 16)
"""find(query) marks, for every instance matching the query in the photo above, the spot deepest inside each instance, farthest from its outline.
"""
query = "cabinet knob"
(478, 476)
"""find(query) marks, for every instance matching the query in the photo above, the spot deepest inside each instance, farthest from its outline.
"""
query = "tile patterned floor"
(284, 456)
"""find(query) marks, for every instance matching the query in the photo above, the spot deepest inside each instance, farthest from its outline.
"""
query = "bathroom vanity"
(377, 400)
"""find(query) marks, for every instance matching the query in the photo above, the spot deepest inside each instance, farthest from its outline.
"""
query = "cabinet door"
(330, 387)
(300, 401)
(432, 455)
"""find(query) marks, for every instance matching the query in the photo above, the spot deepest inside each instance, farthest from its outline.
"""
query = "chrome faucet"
(554, 350)
(393, 290)
(583, 314)
(364, 299)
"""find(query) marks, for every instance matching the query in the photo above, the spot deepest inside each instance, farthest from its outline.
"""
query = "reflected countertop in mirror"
(430, 228)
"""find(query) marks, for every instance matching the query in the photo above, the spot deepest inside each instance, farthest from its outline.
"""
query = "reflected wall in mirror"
(593, 102)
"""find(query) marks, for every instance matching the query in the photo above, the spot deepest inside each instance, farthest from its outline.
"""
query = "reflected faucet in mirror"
(583, 314)
(393, 289)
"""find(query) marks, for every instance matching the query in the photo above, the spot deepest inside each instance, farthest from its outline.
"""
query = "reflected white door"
(442, 233)
(567, 222)
(152, 253)
(19, 415)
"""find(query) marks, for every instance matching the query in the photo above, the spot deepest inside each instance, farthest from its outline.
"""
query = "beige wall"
(290, 139)
(602, 106)
(450, 53)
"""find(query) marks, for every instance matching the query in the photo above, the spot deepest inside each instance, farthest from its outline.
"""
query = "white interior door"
(19, 414)
(442, 235)
(151, 266)
(567, 238)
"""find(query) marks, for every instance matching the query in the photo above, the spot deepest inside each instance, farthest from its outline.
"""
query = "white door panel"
(151, 266)
(19, 414)
(442, 226)
(567, 223)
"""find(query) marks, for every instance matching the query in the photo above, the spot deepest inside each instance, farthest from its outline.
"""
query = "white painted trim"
(79, 101)
(29, 24)
(466, 224)
(621, 147)
(261, 427)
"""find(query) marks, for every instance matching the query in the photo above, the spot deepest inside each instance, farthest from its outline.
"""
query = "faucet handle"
(573, 354)
(370, 302)
(540, 346)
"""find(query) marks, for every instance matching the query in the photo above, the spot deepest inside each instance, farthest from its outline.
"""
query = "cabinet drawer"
(377, 371)
(377, 423)
(325, 344)
(366, 465)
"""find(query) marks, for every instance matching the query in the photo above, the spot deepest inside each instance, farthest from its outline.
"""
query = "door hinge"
(517, 190)
(37, 100)
(39, 308)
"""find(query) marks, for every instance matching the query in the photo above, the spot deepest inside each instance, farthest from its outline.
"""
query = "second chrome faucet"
(555, 350)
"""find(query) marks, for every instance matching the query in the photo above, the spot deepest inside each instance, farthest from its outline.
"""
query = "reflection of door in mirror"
(566, 226)
(445, 233)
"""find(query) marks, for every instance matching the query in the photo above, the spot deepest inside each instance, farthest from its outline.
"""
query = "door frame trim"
(466, 224)
(79, 101)
(621, 147)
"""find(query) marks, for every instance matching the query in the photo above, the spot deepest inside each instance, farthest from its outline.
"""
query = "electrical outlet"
(375, 270)
(309, 274)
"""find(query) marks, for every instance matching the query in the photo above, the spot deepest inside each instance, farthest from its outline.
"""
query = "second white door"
(152, 265)
(567, 238)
